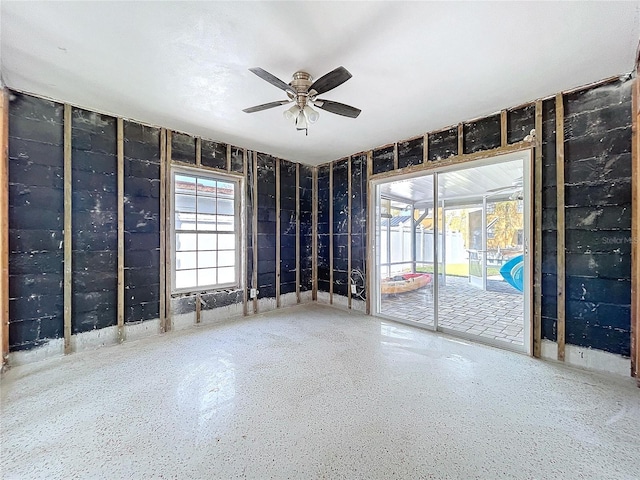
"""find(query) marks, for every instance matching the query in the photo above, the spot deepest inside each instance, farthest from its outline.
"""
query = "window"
(206, 231)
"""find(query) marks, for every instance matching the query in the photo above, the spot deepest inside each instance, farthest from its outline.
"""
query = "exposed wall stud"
(166, 254)
(163, 207)
(278, 228)
(503, 128)
(370, 237)
(198, 152)
(561, 298)
(68, 248)
(349, 195)
(4, 225)
(425, 149)
(254, 273)
(198, 308)
(228, 157)
(331, 233)
(244, 253)
(460, 138)
(537, 236)
(635, 230)
(120, 163)
(395, 156)
(314, 229)
(297, 233)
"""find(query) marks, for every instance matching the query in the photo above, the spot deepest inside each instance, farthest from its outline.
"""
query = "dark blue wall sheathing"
(213, 154)
(597, 215)
(443, 144)
(266, 226)
(411, 152)
(141, 222)
(482, 134)
(36, 221)
(598, 221)
(520, 122)
(287, 227)
(341, 227)
(95, 221)
(383, 159)
(359, 222)
(183, 148)
(323, 229)
(237, 160)
(306, 228)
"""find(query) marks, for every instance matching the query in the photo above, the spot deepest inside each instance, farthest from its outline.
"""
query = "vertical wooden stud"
(254, 280)
(635, 230)
(314, 229)
(349, 195)
(395, 156)
(198, 308)
(163, 206)
(560, 219)
(198, 151)
(331, 233)
(370, 237)
(165, 183)
(460, 138)
(244, 253)
(4, 225)
(278, 228)
(68, 248)
(120, 163)
(425, 149)
(503, 128)
(297, 233)
(228, 157)
(537, 236)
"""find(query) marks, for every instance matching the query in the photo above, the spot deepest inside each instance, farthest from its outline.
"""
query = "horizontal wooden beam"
(456, 159)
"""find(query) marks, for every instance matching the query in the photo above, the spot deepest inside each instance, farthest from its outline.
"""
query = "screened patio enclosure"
(451, 250)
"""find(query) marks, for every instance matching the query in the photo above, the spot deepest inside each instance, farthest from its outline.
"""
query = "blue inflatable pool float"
(513, 272)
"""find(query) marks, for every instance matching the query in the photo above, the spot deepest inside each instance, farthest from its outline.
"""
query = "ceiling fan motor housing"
(301, 83)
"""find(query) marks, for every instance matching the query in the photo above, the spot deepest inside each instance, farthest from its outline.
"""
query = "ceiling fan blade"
(500, 189)
(338, 108)
(265, 106)
(272, 79)
(330, 81)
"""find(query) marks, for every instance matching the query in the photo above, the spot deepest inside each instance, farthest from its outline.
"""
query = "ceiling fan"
(515, 188)
(304, 92)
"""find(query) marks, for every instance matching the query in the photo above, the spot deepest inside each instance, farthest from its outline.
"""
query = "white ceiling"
(416, 66)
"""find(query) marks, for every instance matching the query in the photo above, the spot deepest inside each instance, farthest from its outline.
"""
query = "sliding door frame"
(527, 155)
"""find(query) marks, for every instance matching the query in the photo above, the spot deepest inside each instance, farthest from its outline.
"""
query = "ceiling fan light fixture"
(292, 113)
(311, 114)
(301, 121)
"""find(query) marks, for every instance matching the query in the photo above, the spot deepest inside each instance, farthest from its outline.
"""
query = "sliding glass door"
(474, 220)
(405, 239)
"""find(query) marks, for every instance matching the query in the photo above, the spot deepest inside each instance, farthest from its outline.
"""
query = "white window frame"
(238, 227)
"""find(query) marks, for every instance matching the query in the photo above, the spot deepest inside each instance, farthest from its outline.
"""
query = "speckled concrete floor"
(314, 393)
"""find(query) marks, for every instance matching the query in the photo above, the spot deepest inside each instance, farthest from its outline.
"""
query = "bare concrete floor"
(314, 392)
